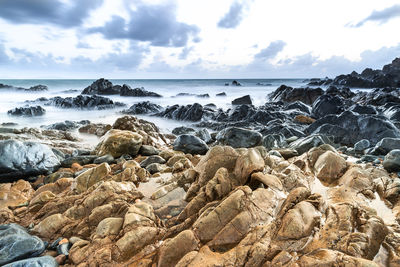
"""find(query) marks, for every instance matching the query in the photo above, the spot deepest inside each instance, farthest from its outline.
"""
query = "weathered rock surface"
(143, 108)
(191, 144)
(27, 111)
(119, 142)
(239, 137)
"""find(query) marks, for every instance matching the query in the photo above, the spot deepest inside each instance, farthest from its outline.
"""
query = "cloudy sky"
(195, 38)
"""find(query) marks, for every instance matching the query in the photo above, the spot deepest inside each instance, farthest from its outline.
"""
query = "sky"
(195, 39)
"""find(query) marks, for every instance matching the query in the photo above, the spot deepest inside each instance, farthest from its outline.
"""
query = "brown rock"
(90, 177)
(118, 142)
(329, 167)
(247, 164)
(133, 241)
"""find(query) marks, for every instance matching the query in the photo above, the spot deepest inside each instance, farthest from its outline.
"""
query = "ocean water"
(258, 89)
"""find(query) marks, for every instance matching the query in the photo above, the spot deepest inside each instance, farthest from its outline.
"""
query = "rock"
(236, 83)
(361, 145)
(329, 167)
(244, 100)
(81, 160)
(109, 226)
(239, 137)
(247, 164)
(191, 144)
(101, 87)
(66, 125)
(193, 112)
(272, 141)
(204, 135)
(288, 153)
(119, 142)
(327, 104)
(45, 261)
(385, 145)
(126, 90)
(288, 94)
(306, 143)
(25, 159)
(133, 241)
(38, 87)
(17, 244)
(51, 225)
(14, 194)
(27, 111)
(143, 108)
(221, 94)
(90, 177)
(152, 159)
(344, 92)
(183, 130)
(106, 158)
(391, 163)
(303, 119)
(154, 168)
(363, 109)
(146, 150)
(98, 129)
(81, 102)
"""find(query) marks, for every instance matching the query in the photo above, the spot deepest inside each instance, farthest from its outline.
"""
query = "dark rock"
(272, 141)
(81, 102)
(101, 87)
(191, 144)
(154, 168)
(349, 128)
(385, 145)
(203, 95)
(189, 112)
(361, 145)
(17, 244)
(304, 144)
(66, 125)
(106, 158)
(44, 261)
(8, 124)
(81, 160)
(63, 249)
(391, 163)
(80, 152)
(298, 105)
(146, 150)
(221, 94)
(126, 90)
(152, 159)
(393, 113)
(27, 111)
(244, 100)
(326, 105)
(319, 82)
(368, 158)
(363, 109)
(239, 137)
(288, 94)
(236, 83)
(185, 94)
(344, 92)
(182, 130)
(25, 159)
(38, 87)
(143, 108)
(211, 105)
(288, 153)
(204, 135)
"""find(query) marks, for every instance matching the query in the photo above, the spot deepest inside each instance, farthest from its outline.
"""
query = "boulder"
(272, 141)
(385, 145)
(118, 143)
(363, 109)
(192, 112)
(17, 244)
(244, 100)
(329, 167)
(152, 159)
(36, 88)
(101, 87)
(327, 104)
(191, 144)
(361, 145)
(304, 144)
(146, 150)
(182, 130)
(90, 177)
(143, 108)
(27, 111)
(239, 137)
(46, 261)
(66, 125)
(25, 159)
(289, 94)
(126, 90)
(82, 102)
(391, 163)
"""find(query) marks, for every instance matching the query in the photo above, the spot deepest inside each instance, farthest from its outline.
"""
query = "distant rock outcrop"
(27, 111)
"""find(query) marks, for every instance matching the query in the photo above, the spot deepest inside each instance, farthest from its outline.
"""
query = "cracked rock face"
(229, 207)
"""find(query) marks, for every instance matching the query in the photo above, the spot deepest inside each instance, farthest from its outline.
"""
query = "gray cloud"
(47, 11)
(381, 16)
(185, 52)
(233, 18)
(271, 50)
(156, 24)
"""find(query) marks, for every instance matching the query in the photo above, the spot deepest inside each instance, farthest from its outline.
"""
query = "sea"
(258, 89)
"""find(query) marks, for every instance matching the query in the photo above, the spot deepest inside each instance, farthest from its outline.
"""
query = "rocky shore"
(310, 178)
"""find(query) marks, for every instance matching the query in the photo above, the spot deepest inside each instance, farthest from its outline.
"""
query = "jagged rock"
(98, 129)
(344, 92)
(119, 142)
(25, 159)
(101, 87)
(304, 144)
(183, 130)
(288, 94)
(126, 90)
(244, 100)
(326, 105)
(90, 177)
(39, 87)
(81, 160)
(363, 109)
(27, 111)
(143, 108)
(272, 141)
(188, 143)
(193, 112)
(81, 102)
(66, 125)
(239, 137)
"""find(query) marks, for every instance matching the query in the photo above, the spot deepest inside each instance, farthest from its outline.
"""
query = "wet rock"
(272, 141)
(81, 160)
(192, 112)
(385, 145)
(25, 159)
(119, 142)
(298, 105)
(106, 158)
(363, 109)
(244, 100)
(327, 104)
(392, 161)
(101, 87)
(204, 135)
(82, 102)
(46, 261)
(152, 159)
(304, 119)
(361, 145)
(304, 144)
(146, 150)
(190, 144)
(143, 108)
(17, 244)
(288, 94)
(126, 90)
(154, 168)
(239, 137)
(236, 83)
(183, 130)
(66, 125)
(344, 92)
(27, 111)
